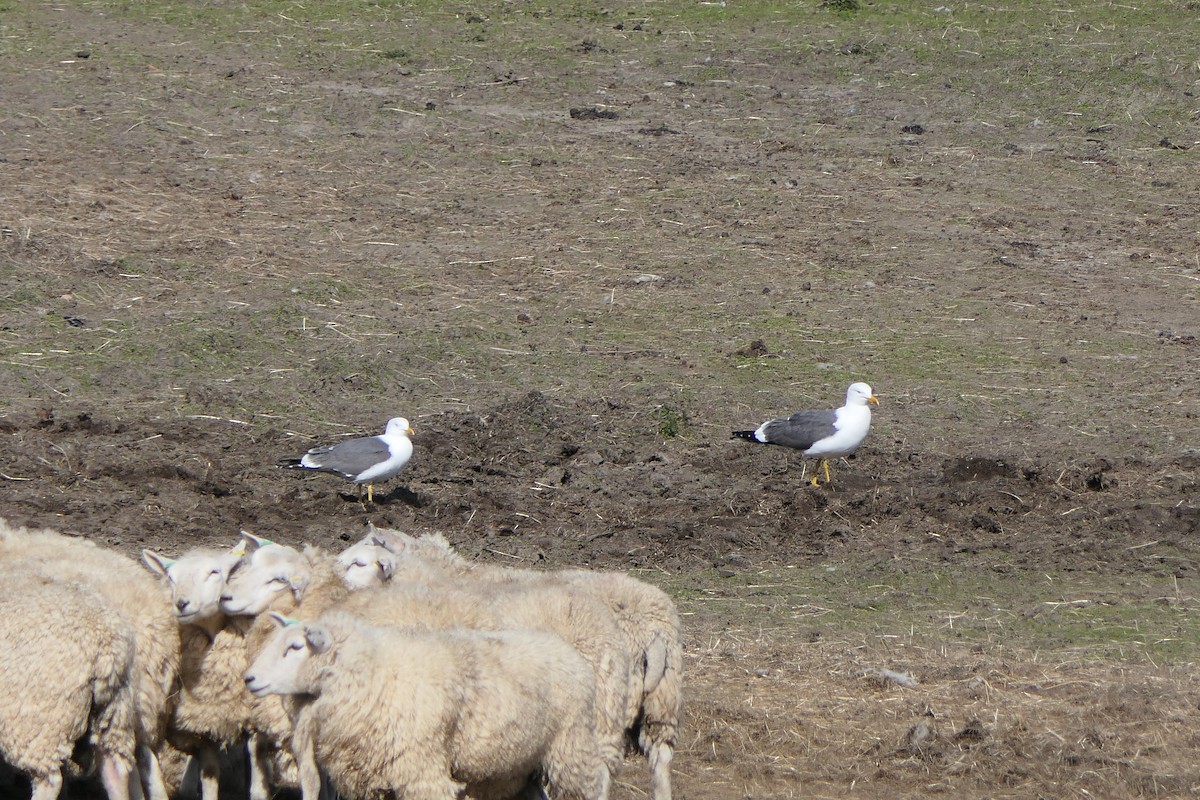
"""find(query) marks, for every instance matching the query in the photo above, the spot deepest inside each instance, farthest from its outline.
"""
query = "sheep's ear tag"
(282, 621)
(238, 549)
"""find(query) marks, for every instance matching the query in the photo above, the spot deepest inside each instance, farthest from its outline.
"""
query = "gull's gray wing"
(348, 459)
(801, 430)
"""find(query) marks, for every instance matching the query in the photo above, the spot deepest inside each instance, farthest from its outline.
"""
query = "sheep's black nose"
(181, 604)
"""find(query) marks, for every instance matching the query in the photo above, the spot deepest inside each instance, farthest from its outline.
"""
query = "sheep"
(281, 579)
(135, 593)
(274, 577)
(66, 674)
(213, 709)
(431, 715)
(643, 612)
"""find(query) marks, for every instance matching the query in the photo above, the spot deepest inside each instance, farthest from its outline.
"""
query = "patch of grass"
(671, 421)
(842, 6)
(1053, 614)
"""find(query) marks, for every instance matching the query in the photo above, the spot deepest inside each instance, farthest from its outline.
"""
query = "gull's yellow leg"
(370, 493)
(816, 473)
(825, 463)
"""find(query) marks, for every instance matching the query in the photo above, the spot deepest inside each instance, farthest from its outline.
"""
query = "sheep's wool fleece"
(452, 704)
(65, 662)
(127, 587)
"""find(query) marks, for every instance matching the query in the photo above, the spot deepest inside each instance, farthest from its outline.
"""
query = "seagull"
(365, 460)
(821, 434)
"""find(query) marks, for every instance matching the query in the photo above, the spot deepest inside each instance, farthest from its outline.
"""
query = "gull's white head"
(398, 426)
(859, 394)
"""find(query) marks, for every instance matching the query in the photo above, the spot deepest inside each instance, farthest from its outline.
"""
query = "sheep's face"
(264, 579)
(366, 565)
(194, 581)
(280, 666)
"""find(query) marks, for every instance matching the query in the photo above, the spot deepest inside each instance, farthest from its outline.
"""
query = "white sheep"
(213, 708)
(644, 613)
(135, 593)
(275, 577)
(433, 715)
(66, 674)
(283, 580)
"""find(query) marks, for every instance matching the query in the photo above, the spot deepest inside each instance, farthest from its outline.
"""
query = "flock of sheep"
(396, 668)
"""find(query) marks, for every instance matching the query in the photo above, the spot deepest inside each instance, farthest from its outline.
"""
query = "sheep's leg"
(115, 776)
(151, 775)
(327, 790)
(304, 751)
(47, 787)
(659, 757)
(209, 759)
(258, 751)
(136, 792)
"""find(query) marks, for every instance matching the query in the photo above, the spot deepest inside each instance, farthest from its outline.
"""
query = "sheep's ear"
(387, 567)
(392, 541)
(317, 638)
(299, 584)
(254, 542)
(157, 564)
(281, 620)
(238, 549)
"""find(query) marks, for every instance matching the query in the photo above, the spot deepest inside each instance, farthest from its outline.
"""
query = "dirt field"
(577, 246)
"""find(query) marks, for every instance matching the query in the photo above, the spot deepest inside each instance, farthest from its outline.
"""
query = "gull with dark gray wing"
(821, 434)
(365, 460)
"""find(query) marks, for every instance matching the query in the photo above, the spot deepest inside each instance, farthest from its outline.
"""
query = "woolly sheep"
(431, 715)
(643, 612)
(280, 579)
(66, 664)
(130, 589)
(213, 708)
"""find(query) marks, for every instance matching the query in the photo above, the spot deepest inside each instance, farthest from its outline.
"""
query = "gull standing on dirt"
(365, 460)
(821, 434)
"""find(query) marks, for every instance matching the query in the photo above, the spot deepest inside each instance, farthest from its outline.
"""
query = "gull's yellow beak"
(873, 400)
